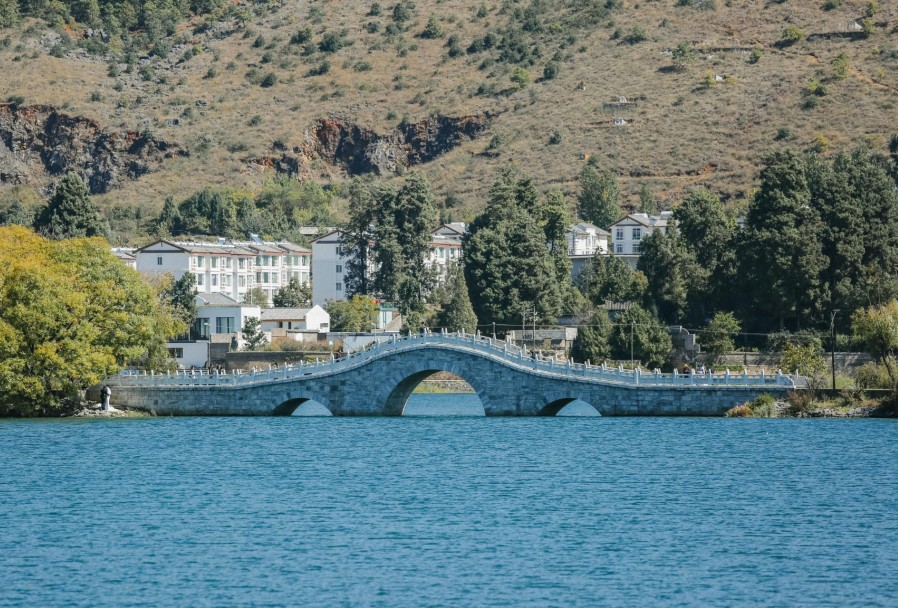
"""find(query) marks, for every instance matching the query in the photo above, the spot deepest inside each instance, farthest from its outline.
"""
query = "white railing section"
(511, 355)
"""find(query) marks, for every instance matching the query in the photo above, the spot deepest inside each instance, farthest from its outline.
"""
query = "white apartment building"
(227, 268)
(627, 233)
(584, 241)
(329, 263)
(314, 319)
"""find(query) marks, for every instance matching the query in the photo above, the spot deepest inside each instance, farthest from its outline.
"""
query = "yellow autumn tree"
(70, 315)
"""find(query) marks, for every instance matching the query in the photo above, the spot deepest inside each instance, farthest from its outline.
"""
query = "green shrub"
(873, 375)
(269, 80)
(550, 71)
(792, 34)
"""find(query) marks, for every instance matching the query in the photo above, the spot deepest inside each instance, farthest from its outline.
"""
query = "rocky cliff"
(357, 150)
(39, 143)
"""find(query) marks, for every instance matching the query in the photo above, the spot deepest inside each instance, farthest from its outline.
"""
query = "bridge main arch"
(399, 396)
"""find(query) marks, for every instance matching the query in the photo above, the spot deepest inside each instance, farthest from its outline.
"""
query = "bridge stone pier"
(378, 382)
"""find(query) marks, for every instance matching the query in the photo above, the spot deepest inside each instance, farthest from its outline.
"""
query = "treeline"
(276, 211)
(116, 17)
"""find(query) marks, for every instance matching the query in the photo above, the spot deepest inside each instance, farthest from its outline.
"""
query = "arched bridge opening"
(301, 406)
(569, 406)
(448, 395)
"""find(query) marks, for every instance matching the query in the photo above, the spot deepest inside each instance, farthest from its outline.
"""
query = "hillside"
(457, 88)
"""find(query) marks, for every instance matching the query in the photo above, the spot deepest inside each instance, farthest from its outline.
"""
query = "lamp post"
(832, 344)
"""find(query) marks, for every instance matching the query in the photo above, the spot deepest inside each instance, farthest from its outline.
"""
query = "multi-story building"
(329, 262)
(627, 233)
(219, 319)
(584, 241)
(228, 268)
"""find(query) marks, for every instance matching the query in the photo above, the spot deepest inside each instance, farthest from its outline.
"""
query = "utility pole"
(832, 344)
(534, 327)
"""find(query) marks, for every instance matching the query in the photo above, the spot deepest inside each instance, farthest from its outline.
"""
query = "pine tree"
(181, 296)
(458, 314)
(507, 263)
(358, 237)
(17, 215)
(70, 212)
(169, 220)
(781, 258)
(599, 197)
(591, 343)
(253, 335)
(647, 202)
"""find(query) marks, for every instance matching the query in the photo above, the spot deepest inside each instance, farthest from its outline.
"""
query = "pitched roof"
(216, 299)
(284, 314)
(586, 228)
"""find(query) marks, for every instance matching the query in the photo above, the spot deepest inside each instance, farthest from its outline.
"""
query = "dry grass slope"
(688, 128)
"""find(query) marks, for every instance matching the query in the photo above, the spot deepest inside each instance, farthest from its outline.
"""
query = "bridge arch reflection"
(302, 406)
(578, 407)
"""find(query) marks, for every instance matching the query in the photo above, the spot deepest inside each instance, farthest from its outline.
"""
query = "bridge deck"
(508, 355)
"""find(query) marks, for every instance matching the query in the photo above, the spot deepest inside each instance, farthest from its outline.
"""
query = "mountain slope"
(238, 95)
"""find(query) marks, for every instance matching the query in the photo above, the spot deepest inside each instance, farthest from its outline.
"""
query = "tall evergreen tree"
(670, 271)
(180, 294)
(70, 212)
(458, 314)
(608, 278)
(556, 220)
(507, 262)
(358, 237)
(599, 197)
(651, 343)
(647, 202)
(591, 343)
(781, 258)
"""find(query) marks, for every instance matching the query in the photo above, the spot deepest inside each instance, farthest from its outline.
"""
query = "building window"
(201, 328)
(241, 263)
(637, 234)
(176, 353)
(339, 268)
(214, 280)
(241, 281)
(442, 253)
(274, 278)
(339, 287)
(159, 261)
(619, 234)
(258, 260)
(265, 277)
(619, 248)
(229, 262)
(199, 280)
(214, 262)
(305, 260)
(226, 280)
(258, 277)
(224, 325)
(636, 247)
(200, 261)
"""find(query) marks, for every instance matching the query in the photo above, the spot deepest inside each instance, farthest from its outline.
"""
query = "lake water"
(448, 511)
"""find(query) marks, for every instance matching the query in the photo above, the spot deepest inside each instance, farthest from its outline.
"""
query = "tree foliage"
(651, 340)
(70, 315)
(356, 314)
(591, 343)
(70, 212)
(717, 337)
(292, 295)
(599, 197)
(256, 296)
(507, 262)
(458, 314)
(253, 336)
(180, 295)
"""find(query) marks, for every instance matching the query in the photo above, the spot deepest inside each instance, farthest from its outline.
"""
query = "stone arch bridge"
(379, 380)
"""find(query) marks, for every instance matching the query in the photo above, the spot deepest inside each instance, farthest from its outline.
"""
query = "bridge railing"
(495, 349)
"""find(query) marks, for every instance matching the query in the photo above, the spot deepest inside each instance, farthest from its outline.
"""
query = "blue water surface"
(450, 511)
